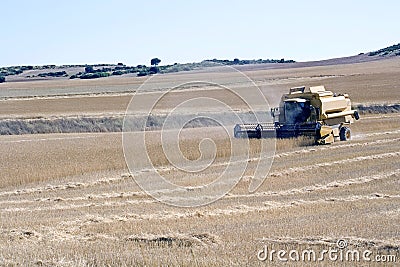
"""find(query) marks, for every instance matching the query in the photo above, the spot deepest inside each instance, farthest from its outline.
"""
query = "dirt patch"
(24, 234)
(180, 240)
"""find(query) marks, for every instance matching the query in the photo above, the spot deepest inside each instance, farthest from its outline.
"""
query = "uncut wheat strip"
(125, 176)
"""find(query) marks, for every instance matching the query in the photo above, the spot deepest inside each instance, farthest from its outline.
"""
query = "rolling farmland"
(68, 199)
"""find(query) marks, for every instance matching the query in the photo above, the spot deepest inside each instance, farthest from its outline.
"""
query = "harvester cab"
(312, 111)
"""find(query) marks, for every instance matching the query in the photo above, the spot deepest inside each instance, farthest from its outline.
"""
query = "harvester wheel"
(237, 135)
(345, 134)
(259, 129)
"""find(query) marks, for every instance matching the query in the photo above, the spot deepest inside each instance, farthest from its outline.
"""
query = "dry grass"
(39, 158)
(29, 159)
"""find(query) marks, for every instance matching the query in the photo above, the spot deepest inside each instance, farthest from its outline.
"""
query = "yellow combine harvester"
(311, 112)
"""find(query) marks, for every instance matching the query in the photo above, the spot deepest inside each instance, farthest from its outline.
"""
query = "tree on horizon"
(155, 61)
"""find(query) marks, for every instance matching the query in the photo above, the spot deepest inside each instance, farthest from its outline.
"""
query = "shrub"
(26, 68)
(89, 69)
(385, 51)
(94, 75)
(49, 67)
(102, 70)
(118, 72)
(53, 74)
(143, 73)
(153, 70)
(2, 79)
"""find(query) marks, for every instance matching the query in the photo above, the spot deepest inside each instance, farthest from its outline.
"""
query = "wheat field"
(69, 199)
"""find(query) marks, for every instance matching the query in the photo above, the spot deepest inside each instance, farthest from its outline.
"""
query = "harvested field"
(366, 83)
(68, 199)
(74, 191)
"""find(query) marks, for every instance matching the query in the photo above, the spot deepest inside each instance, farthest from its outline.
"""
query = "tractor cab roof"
(298, 100)
(306, 92)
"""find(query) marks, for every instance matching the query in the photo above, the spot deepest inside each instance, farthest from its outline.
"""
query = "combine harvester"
(312, 112)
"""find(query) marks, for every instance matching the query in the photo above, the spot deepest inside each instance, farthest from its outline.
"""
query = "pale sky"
(87, 32)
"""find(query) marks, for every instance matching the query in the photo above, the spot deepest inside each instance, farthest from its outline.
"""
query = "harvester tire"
(259, 129)
(345, 134)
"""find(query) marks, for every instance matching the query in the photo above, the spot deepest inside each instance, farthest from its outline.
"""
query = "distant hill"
(384, 53)
(47, 72)
(390, 51)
